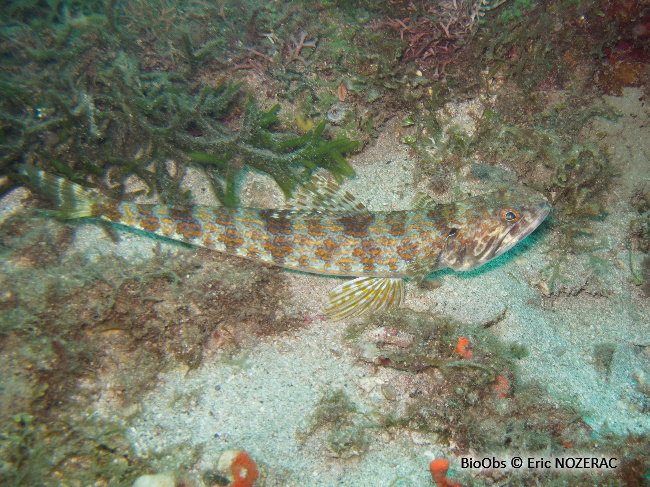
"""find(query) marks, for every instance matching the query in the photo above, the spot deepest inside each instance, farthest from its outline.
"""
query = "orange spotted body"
(325, 231)
(380, 245)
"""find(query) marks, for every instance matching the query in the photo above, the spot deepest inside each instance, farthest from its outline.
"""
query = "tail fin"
(71, 200)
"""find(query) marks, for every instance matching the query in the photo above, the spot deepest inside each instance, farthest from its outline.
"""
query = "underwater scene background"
(127, 359)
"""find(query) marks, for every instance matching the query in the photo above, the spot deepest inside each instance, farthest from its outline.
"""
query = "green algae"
(118, 108)
(346, 427)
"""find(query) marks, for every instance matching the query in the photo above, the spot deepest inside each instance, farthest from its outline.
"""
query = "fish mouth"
(510, 240)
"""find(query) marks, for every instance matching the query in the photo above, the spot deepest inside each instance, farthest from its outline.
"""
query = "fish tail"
(71, 200)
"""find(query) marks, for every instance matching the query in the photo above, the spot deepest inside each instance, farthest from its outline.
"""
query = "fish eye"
(510, 215)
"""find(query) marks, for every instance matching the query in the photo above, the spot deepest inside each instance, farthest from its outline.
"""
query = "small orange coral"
(244, 470)
(462, 348)
(439, 469)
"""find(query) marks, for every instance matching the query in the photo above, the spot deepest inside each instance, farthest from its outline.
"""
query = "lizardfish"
(324, 230)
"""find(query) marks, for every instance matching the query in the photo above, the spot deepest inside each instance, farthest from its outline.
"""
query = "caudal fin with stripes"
(71, 200)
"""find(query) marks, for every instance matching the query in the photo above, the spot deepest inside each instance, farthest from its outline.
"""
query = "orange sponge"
(462, 348)
(439, 469)
(244, 470)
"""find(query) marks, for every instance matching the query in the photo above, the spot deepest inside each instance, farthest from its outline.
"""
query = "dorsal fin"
(422, 201)
(326, 197)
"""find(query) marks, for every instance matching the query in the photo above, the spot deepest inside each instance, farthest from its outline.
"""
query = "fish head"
(483, 227)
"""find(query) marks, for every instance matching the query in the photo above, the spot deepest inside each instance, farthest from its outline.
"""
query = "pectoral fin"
(419, 269)
(353, 298)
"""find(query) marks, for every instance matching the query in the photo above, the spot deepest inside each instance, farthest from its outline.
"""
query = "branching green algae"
(102, 116)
